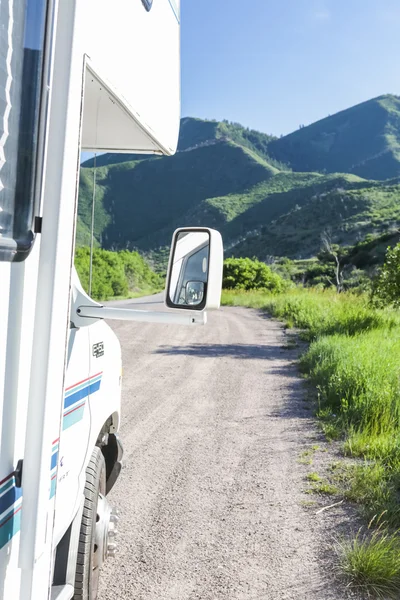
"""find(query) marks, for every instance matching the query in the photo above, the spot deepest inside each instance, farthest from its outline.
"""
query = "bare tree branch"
(326, 239)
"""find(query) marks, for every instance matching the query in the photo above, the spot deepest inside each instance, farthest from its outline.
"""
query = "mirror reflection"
(189, 268)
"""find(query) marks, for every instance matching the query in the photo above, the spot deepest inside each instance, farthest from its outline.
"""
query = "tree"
(386, 287)
(338, 255)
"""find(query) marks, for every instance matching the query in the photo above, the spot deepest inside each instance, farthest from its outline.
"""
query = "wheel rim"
(103, 540)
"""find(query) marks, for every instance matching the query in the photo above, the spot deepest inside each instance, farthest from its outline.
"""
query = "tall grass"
(354, 362)
(358, 377)
(372, 564)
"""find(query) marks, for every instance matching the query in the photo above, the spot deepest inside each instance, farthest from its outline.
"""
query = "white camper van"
(74, 74)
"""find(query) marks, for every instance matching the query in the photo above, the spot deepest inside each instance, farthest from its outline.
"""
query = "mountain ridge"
(247, 183)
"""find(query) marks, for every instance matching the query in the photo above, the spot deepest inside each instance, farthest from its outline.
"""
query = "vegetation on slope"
(223, 176)
(144, 201)
(364, 140)
(350, 207)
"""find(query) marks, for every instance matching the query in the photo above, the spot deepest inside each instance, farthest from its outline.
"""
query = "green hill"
(223, 176)
(364, 140)
(350, 207)
(139, 203)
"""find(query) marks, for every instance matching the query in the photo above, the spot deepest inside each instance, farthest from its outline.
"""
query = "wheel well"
(110, 449)
(110, 453)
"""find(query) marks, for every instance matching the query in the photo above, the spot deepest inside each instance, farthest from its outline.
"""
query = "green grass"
(322, 313)
(354, 363)
(317, 312)
(132, 295)
(252, 299)
(306, 457)
(324, 488)
(372, 564)
(313, 477)
(354, 384)
(372, 486)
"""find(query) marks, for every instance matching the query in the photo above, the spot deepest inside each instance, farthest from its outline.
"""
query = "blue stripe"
(76, 396)
(94, 387)
(9, 528)
(9, 499)
(76, 388)
(81, 386)
(90, 388)
(53, 462)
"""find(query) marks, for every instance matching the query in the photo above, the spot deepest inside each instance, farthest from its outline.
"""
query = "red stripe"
(55, 475)
(11, 516)
(7, 478)
(83, 381)
(55, 441)
(76, 408)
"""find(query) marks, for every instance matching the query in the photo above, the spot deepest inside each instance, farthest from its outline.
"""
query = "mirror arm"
(144, 316)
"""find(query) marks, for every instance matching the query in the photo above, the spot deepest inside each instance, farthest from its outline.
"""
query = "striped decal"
(75, 399)
(53, 467)
(10, 509)
(10, 496)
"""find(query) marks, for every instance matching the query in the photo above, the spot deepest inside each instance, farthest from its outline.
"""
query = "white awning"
(110, 124)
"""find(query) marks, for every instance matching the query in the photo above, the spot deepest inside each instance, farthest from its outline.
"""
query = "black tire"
(87, 567)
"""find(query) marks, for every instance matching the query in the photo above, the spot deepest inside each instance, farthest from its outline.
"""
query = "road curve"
(211, 497)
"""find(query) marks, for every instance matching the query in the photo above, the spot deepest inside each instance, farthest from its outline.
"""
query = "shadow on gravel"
(241, 351)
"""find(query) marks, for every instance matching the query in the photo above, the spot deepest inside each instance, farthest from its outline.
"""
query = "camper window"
(21, 68)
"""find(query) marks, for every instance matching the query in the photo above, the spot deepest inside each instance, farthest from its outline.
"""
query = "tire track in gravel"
(213, 425)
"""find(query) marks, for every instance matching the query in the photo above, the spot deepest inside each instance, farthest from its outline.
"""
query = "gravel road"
(212, 499)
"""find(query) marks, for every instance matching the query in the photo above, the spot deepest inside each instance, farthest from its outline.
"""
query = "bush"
(246, 274)
(386, 288)
(115, 273)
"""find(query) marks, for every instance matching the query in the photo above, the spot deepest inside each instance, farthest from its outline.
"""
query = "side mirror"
(194, 278)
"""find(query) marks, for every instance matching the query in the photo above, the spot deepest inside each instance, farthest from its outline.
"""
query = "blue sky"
(275, 64)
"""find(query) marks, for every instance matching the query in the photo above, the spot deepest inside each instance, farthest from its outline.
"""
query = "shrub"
(246, 274)
(115, 273)
(386, 288)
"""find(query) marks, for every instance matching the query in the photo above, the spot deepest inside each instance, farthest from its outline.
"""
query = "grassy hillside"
(266, 212)
(350, 207)
(138, 204)
(364, 140)
(223, 176)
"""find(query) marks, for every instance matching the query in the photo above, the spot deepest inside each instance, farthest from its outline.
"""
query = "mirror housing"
(194, 277)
